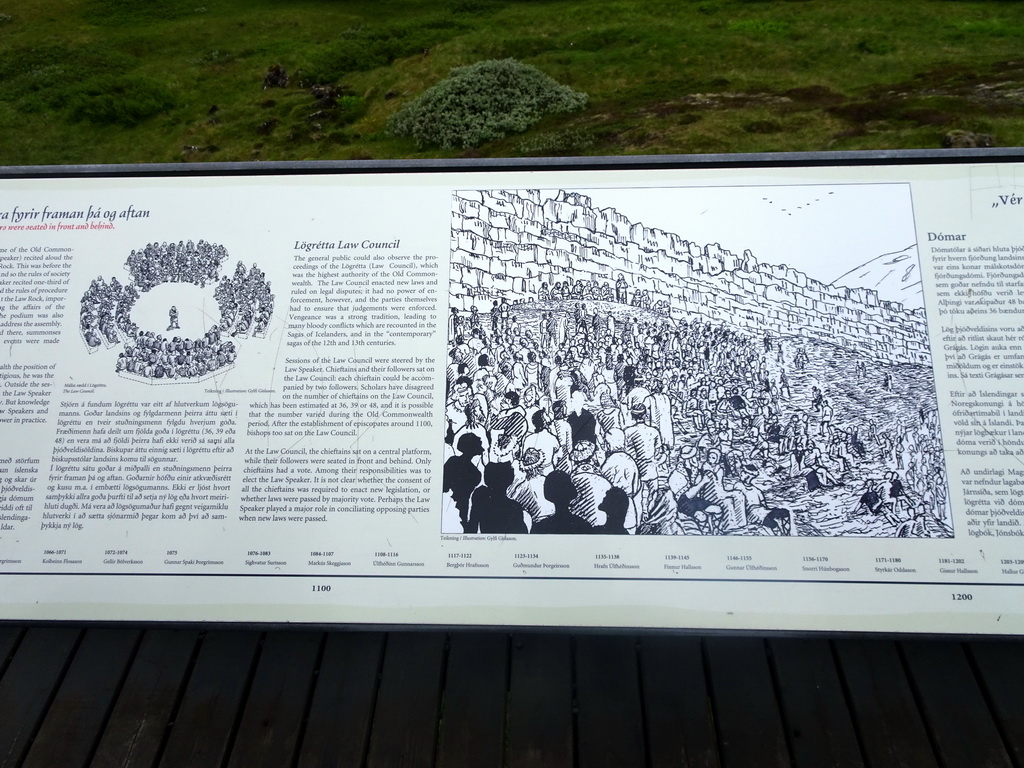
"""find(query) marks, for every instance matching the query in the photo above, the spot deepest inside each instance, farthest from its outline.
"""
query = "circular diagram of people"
(179, 318)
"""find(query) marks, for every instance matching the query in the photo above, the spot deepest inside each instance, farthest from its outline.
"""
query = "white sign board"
(743, 396)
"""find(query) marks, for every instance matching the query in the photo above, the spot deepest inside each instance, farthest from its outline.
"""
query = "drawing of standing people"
(543, 441)
(172, 316)
(505, 313)
(461, 475)
(827, 413)
(898, 500)
(561, 429)
(476, 418)
(621, 289)
(529, 489)
(560, 491)
(609, 415)
(615, 505)
(548, 331)
(495, 319)
(454, 324)
(455, 408)
(508, 429)
(582, 422)
(491, 510)
(643, 443)
(784, 386)
(591, 486)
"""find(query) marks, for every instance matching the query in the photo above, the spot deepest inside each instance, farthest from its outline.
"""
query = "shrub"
(119, 100)
(481, 102)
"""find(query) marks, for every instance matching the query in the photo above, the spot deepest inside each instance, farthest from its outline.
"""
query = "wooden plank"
(204, 726)
(610, 720)
(677, 706)
(77, 714)
(404, 733)
(814, 709)
(338, 727)
(28, 686)
(750, 731)
(961, 725)
(141, 715)
(276, 705)
(540, 702)
(885, 714)
(476, 684)
(1000, 667)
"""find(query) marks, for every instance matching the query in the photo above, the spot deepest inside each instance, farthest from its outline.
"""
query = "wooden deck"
(128, 696)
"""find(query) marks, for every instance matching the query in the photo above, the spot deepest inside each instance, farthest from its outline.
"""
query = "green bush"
(481, 102)
(120, 100)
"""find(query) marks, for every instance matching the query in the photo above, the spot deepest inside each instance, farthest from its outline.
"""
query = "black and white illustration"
(690, 361)
(177, 317)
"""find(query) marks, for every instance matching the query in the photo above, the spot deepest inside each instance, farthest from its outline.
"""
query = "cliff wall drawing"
(515, 244)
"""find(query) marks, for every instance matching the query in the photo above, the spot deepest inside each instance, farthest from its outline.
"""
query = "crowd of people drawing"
(602, 416)
(153, 356)
(245, 300)
(106, 312)
(159, 263)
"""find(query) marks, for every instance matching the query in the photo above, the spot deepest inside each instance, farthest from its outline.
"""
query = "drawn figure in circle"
(172, 316)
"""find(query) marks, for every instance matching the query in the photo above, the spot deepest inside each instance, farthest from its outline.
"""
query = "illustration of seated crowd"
(245, 300)
(154, 357)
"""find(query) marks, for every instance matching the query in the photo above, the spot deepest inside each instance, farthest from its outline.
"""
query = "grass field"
(99, 81)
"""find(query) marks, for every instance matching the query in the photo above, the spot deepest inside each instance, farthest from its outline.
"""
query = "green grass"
(98, 81)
